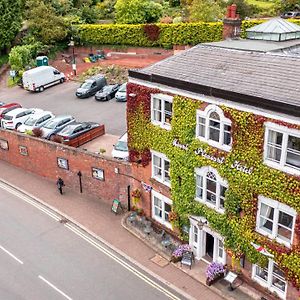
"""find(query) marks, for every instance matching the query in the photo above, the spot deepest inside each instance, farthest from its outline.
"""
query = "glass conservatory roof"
(276, 29)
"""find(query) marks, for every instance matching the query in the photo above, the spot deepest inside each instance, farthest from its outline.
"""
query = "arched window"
(213, 128)
(210, 188)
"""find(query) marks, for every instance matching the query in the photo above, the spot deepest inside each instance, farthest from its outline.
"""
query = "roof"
(255, 45)
(262, 79)
(275, 25)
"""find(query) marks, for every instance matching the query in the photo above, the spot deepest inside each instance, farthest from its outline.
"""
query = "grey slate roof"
(275, 25)
(268, 76)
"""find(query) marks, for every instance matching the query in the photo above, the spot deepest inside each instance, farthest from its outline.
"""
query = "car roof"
(39, 114)
(62, 117)
(16, 111)
(7, 105)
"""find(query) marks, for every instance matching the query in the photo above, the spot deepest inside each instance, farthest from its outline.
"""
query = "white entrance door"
(206, 244)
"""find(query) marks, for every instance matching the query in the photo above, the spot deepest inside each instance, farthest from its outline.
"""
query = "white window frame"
(219, 181)
(285, 131)
(164, 200)
(163, 98)
(163, 159)
(277, 207)
(223, 121)
(268, 283)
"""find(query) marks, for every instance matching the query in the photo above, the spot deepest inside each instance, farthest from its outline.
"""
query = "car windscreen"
(86, 85)
(30, 121)
(6, 117)
(107, 88)
(51, 124)
(67, 130)
(121, 146)
(122, 88)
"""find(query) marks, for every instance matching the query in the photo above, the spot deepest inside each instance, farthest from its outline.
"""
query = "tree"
(10, 21)
(44, 24)
(205, 10)
(137, 11)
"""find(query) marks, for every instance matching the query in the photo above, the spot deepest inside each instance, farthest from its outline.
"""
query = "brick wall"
(42, 160)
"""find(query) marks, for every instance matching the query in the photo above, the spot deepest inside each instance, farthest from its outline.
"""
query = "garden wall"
(41, 157)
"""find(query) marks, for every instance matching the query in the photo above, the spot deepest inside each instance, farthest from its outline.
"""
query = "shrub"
(166, 20)
(152, 32)
(37, 132)
(56, 139)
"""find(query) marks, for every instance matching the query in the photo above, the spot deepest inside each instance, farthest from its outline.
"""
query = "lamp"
(72, 44)
(201, 224)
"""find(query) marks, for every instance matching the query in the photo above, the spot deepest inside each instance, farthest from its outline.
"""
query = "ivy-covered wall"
(237, 228)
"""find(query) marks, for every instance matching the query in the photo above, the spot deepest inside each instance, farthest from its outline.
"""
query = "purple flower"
(214, 269)
(180, 249)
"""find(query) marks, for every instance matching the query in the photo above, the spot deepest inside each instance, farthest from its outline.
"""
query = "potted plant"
(178, 252)
(214, 272)
(136, 196)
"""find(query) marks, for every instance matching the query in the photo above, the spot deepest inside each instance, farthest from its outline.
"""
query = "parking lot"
(61, 99)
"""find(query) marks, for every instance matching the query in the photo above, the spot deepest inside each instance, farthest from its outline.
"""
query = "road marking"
(14, 257)
(28, 200)
(123, 263)
(54, 287)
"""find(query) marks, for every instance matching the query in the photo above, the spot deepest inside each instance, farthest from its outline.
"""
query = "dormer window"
(214, 128)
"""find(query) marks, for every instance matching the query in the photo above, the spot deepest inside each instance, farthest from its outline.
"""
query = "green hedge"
(133, 35)
(170, 34)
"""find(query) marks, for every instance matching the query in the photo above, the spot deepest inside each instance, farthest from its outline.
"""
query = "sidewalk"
(96, 217)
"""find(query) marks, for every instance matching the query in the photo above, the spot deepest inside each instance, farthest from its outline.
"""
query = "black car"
(76, 129)
(107, 92)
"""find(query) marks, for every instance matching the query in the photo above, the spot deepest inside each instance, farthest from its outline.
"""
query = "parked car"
(76, 129)
(121, 93)
(120, 149)
(37, 79)
(2, 103)
(91, 86)
(7, 108)
(108, 92)
(36, 120)
(16, 117)
(291, 15)
(55, 125)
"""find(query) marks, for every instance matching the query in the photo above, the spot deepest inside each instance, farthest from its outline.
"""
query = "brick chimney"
(231, 23)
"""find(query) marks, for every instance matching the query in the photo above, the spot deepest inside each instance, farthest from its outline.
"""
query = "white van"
(120, 149)
(39, 78)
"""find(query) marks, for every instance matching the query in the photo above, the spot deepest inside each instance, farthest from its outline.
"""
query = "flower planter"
(175, 259)
(212, 281)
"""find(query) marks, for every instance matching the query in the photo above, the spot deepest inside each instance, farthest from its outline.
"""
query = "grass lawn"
(261, 4)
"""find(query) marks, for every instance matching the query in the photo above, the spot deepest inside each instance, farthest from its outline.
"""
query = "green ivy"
(247, 148)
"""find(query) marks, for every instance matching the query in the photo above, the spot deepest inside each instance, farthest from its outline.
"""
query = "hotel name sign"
(220, 160)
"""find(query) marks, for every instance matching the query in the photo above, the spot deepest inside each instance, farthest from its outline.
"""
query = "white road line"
(123, 263)
(10, 254)
(54, 287)
(28, 200)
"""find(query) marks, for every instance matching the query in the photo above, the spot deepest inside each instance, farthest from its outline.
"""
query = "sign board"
(115, 205)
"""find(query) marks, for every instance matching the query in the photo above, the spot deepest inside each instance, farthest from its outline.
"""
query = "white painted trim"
(165, 200)
(268, 284)
(278, 206)
(285, 131)
(220, 181)
(209, 99)
(164, 158)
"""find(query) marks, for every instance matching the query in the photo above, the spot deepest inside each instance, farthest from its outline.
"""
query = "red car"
(8, 107)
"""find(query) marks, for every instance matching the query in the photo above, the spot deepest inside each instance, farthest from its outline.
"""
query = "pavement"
(96, 218)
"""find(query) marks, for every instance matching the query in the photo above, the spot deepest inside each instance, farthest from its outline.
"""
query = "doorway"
(209, 247)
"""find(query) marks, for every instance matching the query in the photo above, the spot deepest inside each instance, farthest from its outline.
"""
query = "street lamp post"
(72, 44)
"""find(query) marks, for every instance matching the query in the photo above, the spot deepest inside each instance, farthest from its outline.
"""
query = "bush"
(134, 35)
(37, 132)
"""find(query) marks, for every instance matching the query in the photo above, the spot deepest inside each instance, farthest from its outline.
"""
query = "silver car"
(56, 125)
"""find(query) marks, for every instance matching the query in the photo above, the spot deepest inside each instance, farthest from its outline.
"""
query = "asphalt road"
(61, 99)
(42, 258)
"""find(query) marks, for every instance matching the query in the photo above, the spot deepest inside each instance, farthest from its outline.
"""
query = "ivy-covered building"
(215, 131)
